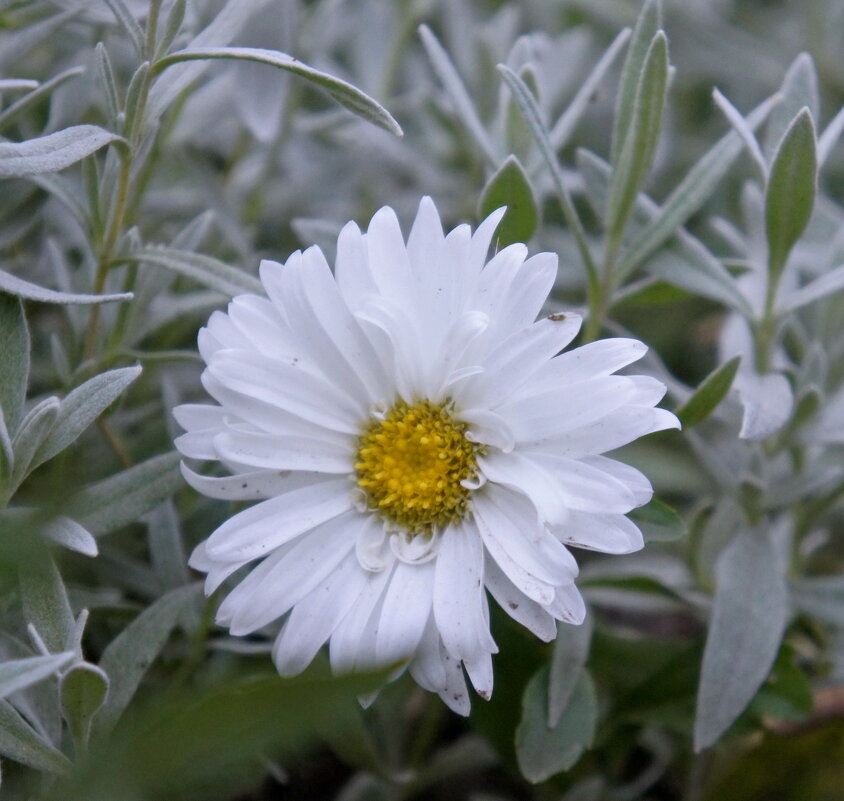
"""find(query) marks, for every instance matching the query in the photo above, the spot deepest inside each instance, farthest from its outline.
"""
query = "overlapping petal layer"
(301, 375)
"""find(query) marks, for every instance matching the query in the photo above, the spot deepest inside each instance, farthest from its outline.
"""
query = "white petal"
(523, 299)
(516, 604)
(198, 416)
(622, 426)
(579, 485)
(479, 668)
(482, 238)
(334, 339)
(455, 694)
(526, 474)
(217, 571)
(609, 533)
(488, 428)
(459, 593)
(387, 257)
(262, 325)
(351, 268)
(590, 361)
(371, 545)
(257, 531)
(249, 486)
(280, 582)
(316, 616)
(219, 333)
(407, 604)
(262, 416)
(521, 355)
(202, 423)
(352, 644)
(427, 665)
(568, 605)
(545, 556)
(634, 479)
(550, 414)
(270, 452)
(513, 550)
(287, 387)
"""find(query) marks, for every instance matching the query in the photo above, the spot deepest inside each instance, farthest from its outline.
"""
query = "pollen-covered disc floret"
(411, 466)
(415, 442)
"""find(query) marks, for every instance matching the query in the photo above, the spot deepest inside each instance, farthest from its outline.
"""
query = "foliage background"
(713, 661)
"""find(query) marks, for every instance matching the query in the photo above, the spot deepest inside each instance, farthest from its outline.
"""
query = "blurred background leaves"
(155, 151)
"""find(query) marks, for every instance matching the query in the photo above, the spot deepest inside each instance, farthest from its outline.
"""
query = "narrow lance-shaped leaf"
(81, 407)
(38, 93)
(14, 360)
(749, 616)
(123, 498)
(543, 751)
(709, 394)
(510, 187)
(344, 93)
(18, 674)
(131, 26)
(658, 522)
(744, 132)
(634, 160)
(53, 152)
(828, 284)
(128, 657)
(205, 270)
(564, 127)
(21, 743)
(451, 81)
(530, 109)
(34, 428)
(28, 291)
(647, 25)
(799, 89)
(45, 602)
(790, 194)
(693, 267)
(690, 194)
(568, 661)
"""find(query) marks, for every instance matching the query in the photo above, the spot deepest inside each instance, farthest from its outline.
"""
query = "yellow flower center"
(410, 464)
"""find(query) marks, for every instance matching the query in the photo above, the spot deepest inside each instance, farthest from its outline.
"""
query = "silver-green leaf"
(82, 690)
(790, 194)
(205, 270)
(14, 360)
(123, 498)
(18, 674)
(647, 25)
(21, 743)
(544, 751)
(565, 670)
(749, 616)
(343, 92)
(53, 152)
(509, 186)
(634, 160)
(81, 407)
(127, 658)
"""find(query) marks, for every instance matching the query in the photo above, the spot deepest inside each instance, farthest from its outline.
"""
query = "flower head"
(415, 439)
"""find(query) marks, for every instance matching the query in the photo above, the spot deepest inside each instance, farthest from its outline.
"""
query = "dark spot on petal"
(512, 605)
(244, 485)
(557, 318)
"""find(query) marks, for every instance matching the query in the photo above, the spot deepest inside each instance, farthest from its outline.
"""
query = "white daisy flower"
(414, 441)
